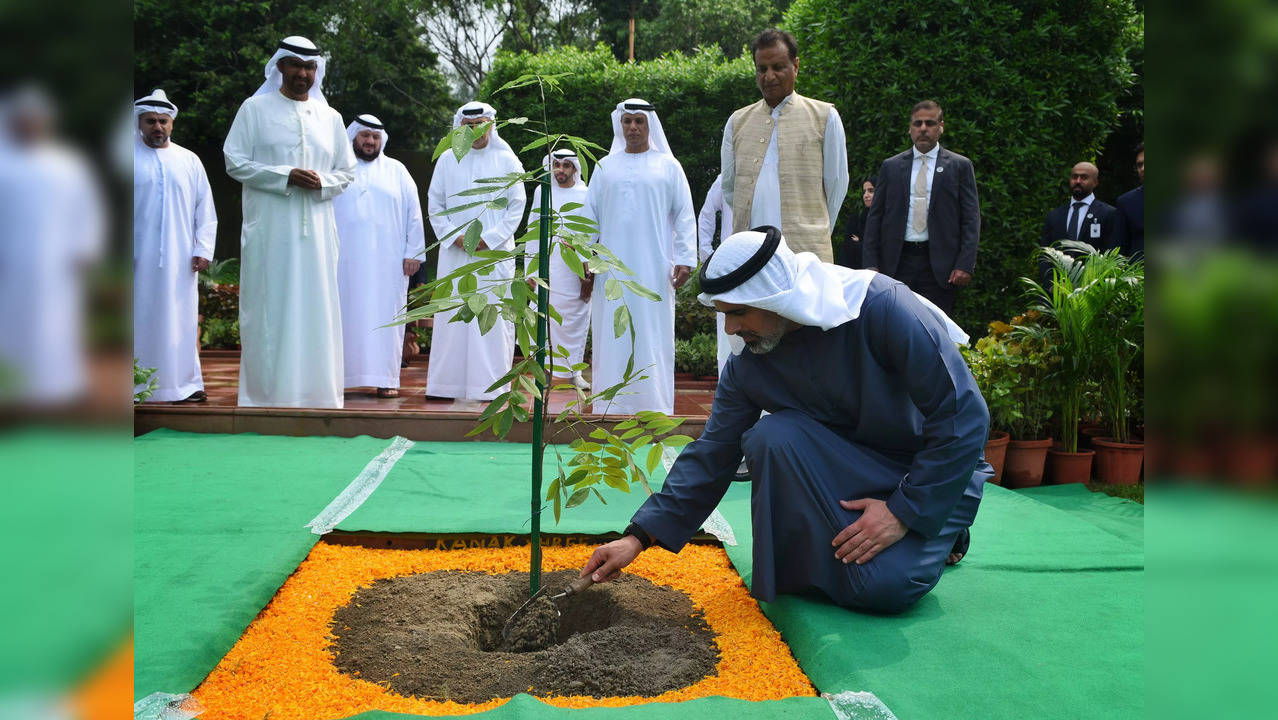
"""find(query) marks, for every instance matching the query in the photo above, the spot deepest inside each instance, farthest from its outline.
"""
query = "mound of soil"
(439, 635)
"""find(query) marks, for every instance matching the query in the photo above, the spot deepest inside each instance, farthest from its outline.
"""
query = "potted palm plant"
(1120, 349)
(1083, 283)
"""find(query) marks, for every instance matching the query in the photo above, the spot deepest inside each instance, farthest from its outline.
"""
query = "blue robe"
(882, 406)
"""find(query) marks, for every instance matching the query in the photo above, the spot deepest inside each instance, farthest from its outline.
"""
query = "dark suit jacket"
(1132, 205)
(953, 216)
(1110, 230)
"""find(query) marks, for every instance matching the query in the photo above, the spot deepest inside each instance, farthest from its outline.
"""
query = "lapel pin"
(940, 169)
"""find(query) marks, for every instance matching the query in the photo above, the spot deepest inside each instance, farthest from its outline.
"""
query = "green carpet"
(1042, 619)
(432, 481)
(65, 520)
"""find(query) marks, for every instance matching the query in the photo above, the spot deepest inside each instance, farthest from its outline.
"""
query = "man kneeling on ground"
(868, 469)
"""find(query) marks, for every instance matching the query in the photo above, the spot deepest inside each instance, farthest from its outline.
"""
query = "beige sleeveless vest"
(805, 217)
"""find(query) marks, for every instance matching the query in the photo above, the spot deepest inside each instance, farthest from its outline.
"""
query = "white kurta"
(726, 344)
(379, 220)
(173, 221)
(464, 362)
(52, 229)
(565, 286)
(290, 319)
(644, 208)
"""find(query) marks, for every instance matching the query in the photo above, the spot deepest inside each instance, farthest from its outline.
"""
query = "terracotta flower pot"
(1117, 462)
(1069, 467)
(1023, 466)
(996, 453)
(1088, 434)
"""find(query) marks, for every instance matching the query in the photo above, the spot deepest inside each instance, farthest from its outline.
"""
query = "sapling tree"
(617, 458)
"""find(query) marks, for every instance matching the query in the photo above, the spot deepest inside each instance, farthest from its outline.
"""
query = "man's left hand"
(871, 534)
(960, 278)
(199, 264)
(411, 266)
(681, 275)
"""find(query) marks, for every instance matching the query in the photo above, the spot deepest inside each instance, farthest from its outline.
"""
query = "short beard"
(151, 142)
(766, 343)
(367, 156)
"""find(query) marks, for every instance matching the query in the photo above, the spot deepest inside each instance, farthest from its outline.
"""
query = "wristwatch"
(643, 537)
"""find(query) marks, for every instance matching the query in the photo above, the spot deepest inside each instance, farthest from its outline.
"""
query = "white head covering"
(474, 108)
(156, 102)
(564, 154)
(302, 49)
(656, 136)
(798, 286)
(368, 122)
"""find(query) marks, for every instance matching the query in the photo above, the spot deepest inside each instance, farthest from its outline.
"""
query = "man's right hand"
(607, 560)
(306, 179)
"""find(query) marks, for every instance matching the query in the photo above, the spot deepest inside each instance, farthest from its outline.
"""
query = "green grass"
(1129, 492)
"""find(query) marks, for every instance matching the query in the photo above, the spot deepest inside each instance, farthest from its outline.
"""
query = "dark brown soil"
(439, 635)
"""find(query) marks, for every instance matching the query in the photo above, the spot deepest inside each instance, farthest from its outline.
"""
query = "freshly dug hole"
(438, 635)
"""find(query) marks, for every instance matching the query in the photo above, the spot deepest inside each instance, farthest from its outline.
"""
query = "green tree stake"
(543, 301)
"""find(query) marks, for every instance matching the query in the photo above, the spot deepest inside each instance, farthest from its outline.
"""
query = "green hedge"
(1029, 87)
(694, 96)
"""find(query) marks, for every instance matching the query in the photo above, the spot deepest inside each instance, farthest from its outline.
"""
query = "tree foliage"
(1028, 87)
(663, 26)
(209, 57)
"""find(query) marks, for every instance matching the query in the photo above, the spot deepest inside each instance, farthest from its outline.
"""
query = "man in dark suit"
(1132, 205)
(1084, 218)
(924, 225)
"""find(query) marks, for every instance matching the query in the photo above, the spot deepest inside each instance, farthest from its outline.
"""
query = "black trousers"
(915, 270)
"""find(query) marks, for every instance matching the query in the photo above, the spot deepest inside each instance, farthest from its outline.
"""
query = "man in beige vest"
(784, 159)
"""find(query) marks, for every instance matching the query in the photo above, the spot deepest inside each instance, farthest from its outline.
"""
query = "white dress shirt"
(911, 235)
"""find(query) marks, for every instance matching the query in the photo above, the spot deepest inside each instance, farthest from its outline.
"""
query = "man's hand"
(411, 266)
(680, 276)
(198, 264)
(587, 286)
(607, 560)
(959, 278)
(872, 533)
(306, 179)
(460, 244)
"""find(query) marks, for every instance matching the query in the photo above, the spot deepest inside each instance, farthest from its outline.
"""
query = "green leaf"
(474, 234)
(554, 486)
(599, 433)
(557, 496)
(620, 321)
(477, 303)
(507, 419)
(578, 498)
(460, 143)
(676, 441)
(640, 290)
(616, 482)
(487, 318)
(654, 458)
(572, 261)
(442, 146)
(631, 433)
(467, 284)
(612, 288)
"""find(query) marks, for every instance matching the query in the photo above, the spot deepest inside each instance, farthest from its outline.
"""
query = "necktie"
(920, 196)
(1071, 231)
